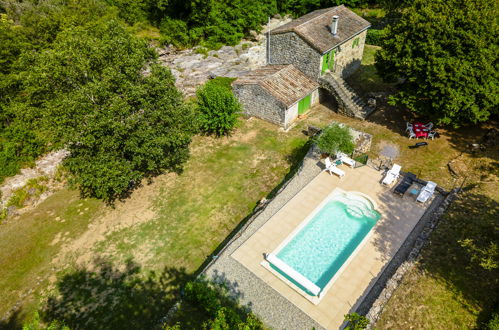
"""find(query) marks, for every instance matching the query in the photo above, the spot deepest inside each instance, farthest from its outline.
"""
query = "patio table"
(420, 130)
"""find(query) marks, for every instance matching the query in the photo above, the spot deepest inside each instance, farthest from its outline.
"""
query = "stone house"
(329, 40)
(276, 93)
(326, 46)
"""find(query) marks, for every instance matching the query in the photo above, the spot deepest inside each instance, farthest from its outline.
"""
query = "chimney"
(334, 25)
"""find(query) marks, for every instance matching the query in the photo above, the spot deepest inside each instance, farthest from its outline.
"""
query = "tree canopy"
(446, 53)
(94, 88)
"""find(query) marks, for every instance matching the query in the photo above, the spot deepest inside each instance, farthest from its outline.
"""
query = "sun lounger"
(426, 192)
(406, 182)
(392, 174)
(333, 169)
(345, 159)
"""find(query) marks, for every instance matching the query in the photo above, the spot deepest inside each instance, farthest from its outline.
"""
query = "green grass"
(219, 187)
(28, 244)
(366, 79)
(194, 212)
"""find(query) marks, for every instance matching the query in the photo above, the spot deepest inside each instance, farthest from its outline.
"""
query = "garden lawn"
(189, 215)
(29, 243)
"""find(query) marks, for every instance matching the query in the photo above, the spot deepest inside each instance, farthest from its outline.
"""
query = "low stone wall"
(375, 300)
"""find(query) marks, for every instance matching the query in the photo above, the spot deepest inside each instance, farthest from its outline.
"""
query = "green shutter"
(331, 60)
(325, 63)
(304, 104)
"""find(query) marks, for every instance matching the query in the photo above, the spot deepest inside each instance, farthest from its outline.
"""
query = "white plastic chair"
(408, 127)
(392, 174)
(429, 126)
(331, 168)
(431, 134)
(412, 135)
(427, 192)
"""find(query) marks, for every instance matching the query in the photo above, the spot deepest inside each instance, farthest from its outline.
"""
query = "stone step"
(349, 99)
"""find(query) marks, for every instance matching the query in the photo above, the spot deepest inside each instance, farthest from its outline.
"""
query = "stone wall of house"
(257, 102)
(348, 58)
(289, 48)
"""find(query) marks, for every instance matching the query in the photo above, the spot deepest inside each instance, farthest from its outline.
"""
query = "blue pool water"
(320, 248)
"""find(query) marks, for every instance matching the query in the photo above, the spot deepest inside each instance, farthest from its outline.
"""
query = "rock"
(191, 70)
(457, 167)
(362, 141)
(313, 130)
(253, 35)
(12, 211)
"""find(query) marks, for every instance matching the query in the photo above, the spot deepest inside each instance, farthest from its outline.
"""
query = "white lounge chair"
(426, 192)
(345, 159)
(333, 169)
(392, 174)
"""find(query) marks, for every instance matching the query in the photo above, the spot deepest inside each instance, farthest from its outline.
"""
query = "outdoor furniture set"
(417, 130)
(406, 182)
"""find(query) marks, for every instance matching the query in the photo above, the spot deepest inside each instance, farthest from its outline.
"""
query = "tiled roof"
(285, 82)
(314, 27)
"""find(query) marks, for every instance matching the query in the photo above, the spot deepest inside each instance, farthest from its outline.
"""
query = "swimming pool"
(314, 253)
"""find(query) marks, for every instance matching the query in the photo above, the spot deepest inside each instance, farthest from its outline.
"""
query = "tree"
(446, 52)
(120, 123)
(218, 108)
(335, 138)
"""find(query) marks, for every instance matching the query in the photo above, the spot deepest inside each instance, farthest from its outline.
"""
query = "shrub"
(18, 198)
(335, 138)
(223, 311)
(356, 322)
(374, 36)
(218, 108)
(493, 323)
(200, 294)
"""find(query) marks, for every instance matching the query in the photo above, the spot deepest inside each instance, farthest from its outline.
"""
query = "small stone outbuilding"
(326, 40)
(276, 93)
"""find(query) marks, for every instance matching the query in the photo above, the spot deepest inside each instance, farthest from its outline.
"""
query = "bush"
(200, 294)
(335, 138)
(374, 36)
(356, 322)
(18, 198)
(218, 108)
(214, 301)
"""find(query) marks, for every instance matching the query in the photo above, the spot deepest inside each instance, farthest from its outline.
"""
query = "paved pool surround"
(276, 303)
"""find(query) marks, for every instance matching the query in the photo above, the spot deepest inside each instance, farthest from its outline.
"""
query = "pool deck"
(257, 286)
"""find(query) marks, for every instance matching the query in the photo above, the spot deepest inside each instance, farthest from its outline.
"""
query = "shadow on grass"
(14, 321)
(462, 250)
(107, 297)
